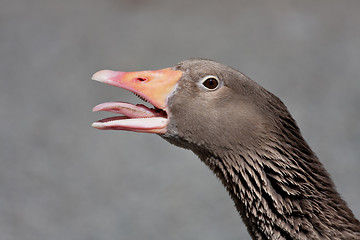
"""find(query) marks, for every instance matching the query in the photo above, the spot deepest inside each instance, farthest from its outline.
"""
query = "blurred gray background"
(61, 179)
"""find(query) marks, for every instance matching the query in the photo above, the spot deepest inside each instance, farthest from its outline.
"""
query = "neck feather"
(282, 194)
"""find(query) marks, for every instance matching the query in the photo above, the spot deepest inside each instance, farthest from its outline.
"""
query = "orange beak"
(153, 86)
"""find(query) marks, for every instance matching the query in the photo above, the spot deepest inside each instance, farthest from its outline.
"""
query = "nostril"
(141, 79)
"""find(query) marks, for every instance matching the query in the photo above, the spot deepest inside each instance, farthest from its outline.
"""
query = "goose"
(246, 136)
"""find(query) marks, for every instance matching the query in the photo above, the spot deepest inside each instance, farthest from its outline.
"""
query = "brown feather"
(250, 141)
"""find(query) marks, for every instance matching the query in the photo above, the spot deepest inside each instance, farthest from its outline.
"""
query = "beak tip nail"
(103, 75)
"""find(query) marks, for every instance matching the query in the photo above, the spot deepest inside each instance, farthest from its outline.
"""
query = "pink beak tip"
(105, 75)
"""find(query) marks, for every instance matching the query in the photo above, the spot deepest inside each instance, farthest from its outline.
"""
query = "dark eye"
(210, 82)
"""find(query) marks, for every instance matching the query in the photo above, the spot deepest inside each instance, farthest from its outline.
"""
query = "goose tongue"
(138, 118)
(152, 86)
(127, 109)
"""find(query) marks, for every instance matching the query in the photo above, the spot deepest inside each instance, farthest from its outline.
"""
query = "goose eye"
(210, 82)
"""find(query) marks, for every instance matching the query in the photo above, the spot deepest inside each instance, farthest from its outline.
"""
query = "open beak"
(152, 86)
